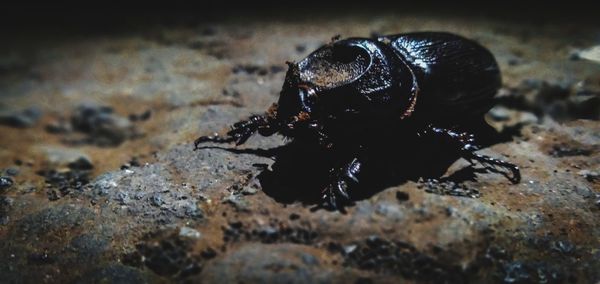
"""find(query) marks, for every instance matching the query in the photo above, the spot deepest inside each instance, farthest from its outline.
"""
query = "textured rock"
(109, 189)
(102, 125)
(66, 157)
(281, 263)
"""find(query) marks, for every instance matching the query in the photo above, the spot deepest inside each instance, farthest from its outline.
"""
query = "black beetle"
(346, 91)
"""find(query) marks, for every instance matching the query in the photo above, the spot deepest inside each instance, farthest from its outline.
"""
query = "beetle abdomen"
(457, 77)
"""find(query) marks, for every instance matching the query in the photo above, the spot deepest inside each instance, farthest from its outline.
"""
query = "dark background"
(100, 17)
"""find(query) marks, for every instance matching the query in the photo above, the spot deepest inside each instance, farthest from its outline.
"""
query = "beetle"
(348, 91)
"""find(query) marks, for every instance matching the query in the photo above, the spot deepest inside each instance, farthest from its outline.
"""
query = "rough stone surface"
(280, 263)
(105, 186)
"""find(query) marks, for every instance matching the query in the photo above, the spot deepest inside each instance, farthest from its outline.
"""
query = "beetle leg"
(466, 142)
(352, 169)
(265, 125)
(338, 188)
(321, 137)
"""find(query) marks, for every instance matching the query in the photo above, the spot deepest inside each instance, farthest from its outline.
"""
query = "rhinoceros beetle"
(343, 92)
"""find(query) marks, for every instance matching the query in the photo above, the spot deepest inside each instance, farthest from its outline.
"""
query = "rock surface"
(111, 191)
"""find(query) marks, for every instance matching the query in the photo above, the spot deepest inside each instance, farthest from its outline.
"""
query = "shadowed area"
(301, 169)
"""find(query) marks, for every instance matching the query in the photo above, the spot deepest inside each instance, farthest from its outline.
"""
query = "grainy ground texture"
(99, 180)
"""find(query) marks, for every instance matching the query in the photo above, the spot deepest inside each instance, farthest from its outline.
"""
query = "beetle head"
(347, 75)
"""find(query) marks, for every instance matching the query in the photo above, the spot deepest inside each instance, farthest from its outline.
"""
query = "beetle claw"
(329, 199)
(352, 169)
(352, 177)
(214, 139)
(335, 195)
(341, 189)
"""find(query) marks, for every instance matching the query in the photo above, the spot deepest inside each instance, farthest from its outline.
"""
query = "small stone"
(514, 61)
(592, 54)
(122, 197)
(12, 171)
(59, 126)
(349, 249)
(499, 113)
(590, 176)
(574, 55)
(82, 163)
(563, 246)
(249, 190)
(192, 211)
(300, 48)
(309, 259)
(62, 156)
(5, 182)
(157, 200)
(402, 196)
(236, 200)
(6, 201)
(188, 232)
(208, 253)
(21, 119)
(141, 117)
(525, 117)
(516, 272)
(104, 127)
(53, 195)
(268, 234)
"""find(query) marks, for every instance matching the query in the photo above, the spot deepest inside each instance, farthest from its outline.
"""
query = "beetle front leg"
(466, 142)
(336, 192)
(265, 125)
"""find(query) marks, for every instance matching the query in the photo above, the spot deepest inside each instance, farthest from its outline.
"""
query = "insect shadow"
(301, 169)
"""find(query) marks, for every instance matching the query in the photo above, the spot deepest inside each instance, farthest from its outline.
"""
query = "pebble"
(12, 171)
(21, 119)
(141, 117)
(350, 248)
(59, 126)
(499, 113)
(6, 201)
(156, 200)
(402, 196)
(249, 190)
(5, 182)
(104, 127)
(82, 163)
(592, 54)
(122, 197)
(590, 175)
(189, 233)
(208, 253)
(61, 156)
(563, 246)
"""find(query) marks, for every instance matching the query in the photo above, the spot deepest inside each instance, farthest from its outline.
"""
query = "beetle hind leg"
(239, 133)
(466, 142)
(336, 193)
